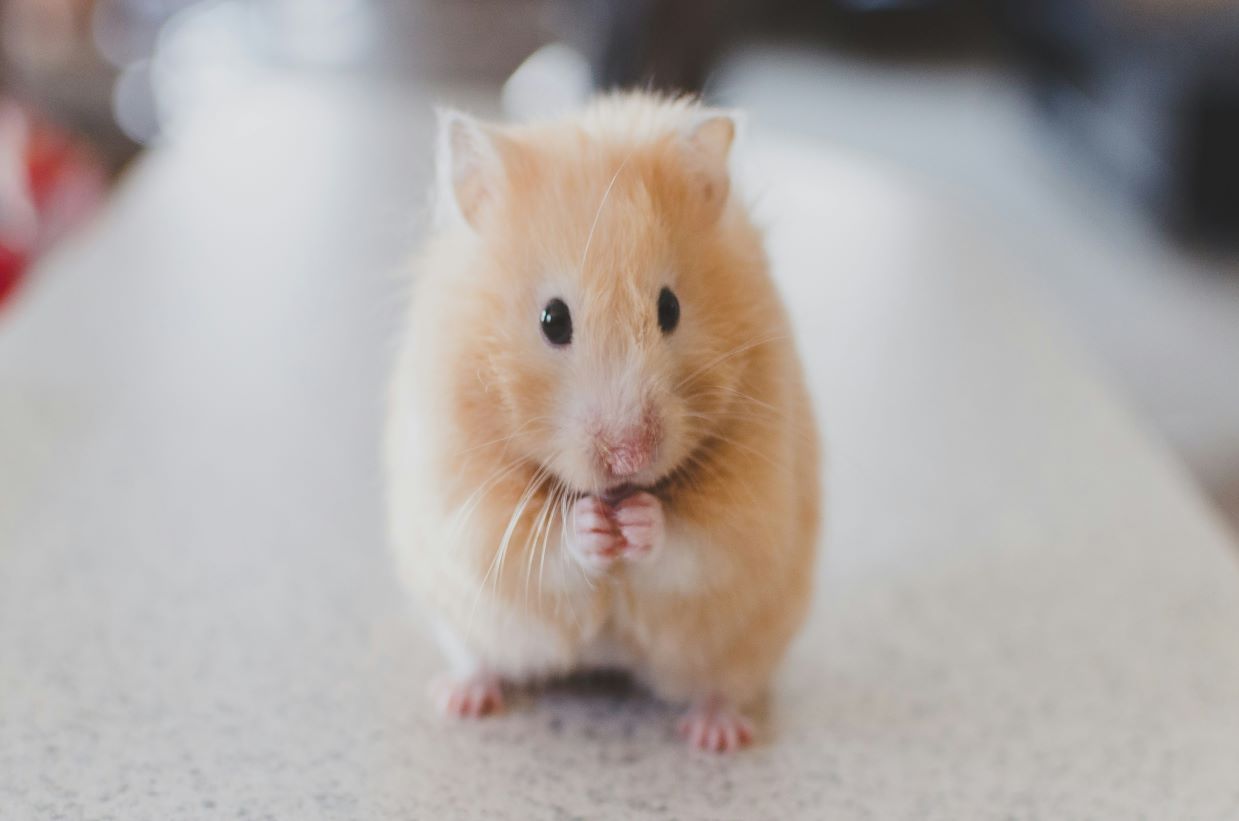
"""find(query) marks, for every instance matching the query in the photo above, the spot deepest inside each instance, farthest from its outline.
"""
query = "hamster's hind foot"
(470, 696)
(712, 725)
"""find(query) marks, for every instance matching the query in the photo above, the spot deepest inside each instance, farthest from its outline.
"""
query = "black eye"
(668, 310)
(557, 322)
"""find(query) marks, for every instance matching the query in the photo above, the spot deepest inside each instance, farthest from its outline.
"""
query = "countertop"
(1025, 608)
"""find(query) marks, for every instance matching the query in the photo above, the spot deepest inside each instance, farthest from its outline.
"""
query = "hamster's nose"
(626, 458)
(631, 450)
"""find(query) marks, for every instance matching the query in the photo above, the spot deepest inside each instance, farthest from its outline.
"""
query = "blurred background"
(1096, 139)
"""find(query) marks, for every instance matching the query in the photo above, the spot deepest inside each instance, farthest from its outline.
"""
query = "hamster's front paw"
(639, 518)
(595, 539)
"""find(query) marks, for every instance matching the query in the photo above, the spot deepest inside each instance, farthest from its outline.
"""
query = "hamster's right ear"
(470, 175)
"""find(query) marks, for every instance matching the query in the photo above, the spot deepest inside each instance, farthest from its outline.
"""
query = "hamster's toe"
(714, 726)
(468, 697)
(639, 518)
(595, 541)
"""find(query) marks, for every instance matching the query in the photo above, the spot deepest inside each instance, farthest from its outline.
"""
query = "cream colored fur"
(488, 440)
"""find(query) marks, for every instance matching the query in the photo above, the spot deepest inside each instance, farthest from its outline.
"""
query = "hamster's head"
(612, 293)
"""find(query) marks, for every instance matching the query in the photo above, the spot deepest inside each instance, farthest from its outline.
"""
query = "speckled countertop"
(1025, 610)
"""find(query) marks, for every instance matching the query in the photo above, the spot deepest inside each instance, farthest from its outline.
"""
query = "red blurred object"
(49, 182)
(12, 263)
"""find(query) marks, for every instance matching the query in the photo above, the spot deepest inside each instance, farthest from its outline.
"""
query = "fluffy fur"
(493, 434)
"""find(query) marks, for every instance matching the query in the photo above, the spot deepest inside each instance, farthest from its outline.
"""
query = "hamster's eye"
(557, 322)
(668, 310)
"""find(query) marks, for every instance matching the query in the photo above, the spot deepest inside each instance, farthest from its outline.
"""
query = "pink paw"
(470, 697)
(596, 541)
(640, 521)
(632, 529)
(715, 727)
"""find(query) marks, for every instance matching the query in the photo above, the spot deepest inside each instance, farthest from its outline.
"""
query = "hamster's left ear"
(709, 140)
(470, 172)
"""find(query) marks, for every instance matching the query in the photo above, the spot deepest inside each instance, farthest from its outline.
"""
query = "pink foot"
(470, 697)
(595, 539)
(640, 521)
(713, 726)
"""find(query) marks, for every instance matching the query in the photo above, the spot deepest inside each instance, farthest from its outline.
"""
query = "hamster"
(600, 448)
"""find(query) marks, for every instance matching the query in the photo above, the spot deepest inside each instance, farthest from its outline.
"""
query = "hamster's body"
(630, 477)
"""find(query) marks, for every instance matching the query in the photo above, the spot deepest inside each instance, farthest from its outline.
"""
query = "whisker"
(514, 522)
(721, 358)
(739, 394)
(496, 563)
(754, 451)
(531, 541)
(601, 204)
(466, 510)
(502, 439)
(557, 493)
(563, 535)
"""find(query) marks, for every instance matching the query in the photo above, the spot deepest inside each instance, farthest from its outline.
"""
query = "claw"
(470, 697)
(715, 727)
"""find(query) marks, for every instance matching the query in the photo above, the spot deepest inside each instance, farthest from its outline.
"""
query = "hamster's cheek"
(681, 433)
(566, 449)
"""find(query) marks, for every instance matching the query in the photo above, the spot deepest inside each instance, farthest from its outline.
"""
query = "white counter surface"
(1025, 608)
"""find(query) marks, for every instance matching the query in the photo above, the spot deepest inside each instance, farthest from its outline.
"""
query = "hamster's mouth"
(613, 495)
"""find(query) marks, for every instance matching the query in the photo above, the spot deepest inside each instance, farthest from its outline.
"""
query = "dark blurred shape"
(48, 60)
(1149, 88)
(674, 44)
(665, 43)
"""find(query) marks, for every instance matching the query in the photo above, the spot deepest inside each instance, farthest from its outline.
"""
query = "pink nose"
(627, 458)
(631, 451)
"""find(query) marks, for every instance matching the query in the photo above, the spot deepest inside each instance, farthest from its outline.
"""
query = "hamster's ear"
(709, 141)
(470, 173)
